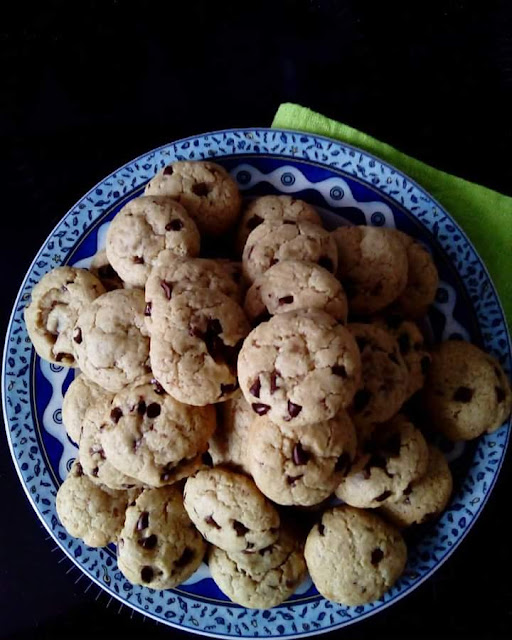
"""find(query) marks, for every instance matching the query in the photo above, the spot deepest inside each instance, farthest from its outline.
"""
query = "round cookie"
(80, 395)
(205, 189)
(88, 511)
(422, 279)
(229, 510)
(263, 579)
(292, 285)
(110, 339)
(274, 209)
(372, 266)
(354, 556)
(172, 275)
(466, 392)
(142, 229)
(57, 299)
(153, 437)
(228, 445)
(299, 367)
(271, 243)
(396, 455)
(412, 347)
(91, 452)
(385, 378)
(104, 271)
(423, 499)
(158, 546)
(195, 346)
(300, 465)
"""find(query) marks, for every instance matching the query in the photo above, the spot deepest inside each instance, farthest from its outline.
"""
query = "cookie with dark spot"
(466, 392)
(301, 465)
(299, 368)
(275, 209)
(105, 272)
(385, 378)
(229, 510)
(159, 547)
(354, 556)
(206, 190)
(395, 456)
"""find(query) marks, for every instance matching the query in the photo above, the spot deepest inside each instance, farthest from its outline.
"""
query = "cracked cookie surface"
(229, 510)
(300, 367)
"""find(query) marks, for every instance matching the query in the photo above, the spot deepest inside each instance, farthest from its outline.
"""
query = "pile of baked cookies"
(260, 407)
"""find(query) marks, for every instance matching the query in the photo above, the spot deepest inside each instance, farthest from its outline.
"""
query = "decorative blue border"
(187, 611)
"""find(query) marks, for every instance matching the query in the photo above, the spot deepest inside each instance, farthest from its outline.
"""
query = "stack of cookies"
(255, 413)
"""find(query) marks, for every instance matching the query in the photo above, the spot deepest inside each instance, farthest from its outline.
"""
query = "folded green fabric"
(485, 215)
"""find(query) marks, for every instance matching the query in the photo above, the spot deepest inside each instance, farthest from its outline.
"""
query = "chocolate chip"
(321, 529)
(260, 408)
(209, 520)
(463, 394)
(286, 300)
(408, 489)
(273, 382)
(201, 189)
(185, 558)
(174, 225)
(95, 472)
(207, 459)
(106, 271)
(141, 408)
(362, 342)
(425, 365)
(149, 542)
(293, 409)
(273, 262)
(79, 470)
(326, 263)
(116, 414)
(167, 287)
(394, 320)
(157, 387)
(343, 463)
(143, 521)
(77, 337)
(291, 480)
(255, 388)
(168, 171)
(377, 555)
(500, 394)
(240, 528)
(250, 545)
(299, 456)
(383, 496)
(339, 370)
(136, 444)
(138, 259)
(361, 399)
(120, 543)
(253, 222)
(147, 309)
(404, 343)
(227, 388)
(146, 574)
(153, 410)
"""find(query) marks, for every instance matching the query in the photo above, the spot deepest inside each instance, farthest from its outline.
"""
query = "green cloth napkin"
(485, 215)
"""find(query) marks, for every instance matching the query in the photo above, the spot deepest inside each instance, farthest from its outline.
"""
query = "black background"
(86, 86)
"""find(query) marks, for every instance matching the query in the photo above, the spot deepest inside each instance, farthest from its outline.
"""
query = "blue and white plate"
(347, 185)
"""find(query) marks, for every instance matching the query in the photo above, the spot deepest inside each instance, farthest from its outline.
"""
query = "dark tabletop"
(87, 86)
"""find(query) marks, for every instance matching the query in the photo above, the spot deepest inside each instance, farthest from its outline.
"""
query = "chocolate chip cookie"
(271, 243)
(194, 347)
(111, 341)
(153, 437)
(292, 285)
(466, 392)
(158, 546)
(57, 300)
(205, 189)
(229, 510)
(300, 367)
(354, 556)
(372, 267)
